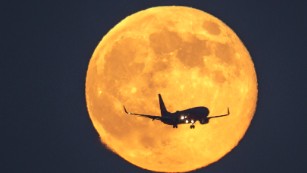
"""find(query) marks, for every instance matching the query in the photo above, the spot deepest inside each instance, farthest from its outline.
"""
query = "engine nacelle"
(204, 121)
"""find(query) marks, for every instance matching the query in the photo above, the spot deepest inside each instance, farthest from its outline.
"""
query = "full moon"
(192, 59)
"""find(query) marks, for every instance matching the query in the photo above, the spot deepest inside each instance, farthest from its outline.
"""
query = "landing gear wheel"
(175, 126)
(192, 127)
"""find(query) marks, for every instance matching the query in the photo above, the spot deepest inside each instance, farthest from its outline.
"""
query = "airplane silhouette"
(188, 116)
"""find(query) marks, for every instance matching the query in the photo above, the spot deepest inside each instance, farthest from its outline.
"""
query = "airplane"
(188, 116)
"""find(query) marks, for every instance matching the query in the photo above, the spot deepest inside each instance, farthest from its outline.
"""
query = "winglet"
(126, 110)
(228, 112)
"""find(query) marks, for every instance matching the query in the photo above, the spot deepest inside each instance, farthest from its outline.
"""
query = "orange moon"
(192, 59)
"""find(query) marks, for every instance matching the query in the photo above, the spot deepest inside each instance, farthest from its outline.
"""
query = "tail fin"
(163, 110)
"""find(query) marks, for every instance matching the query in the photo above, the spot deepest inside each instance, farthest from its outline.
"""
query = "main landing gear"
(192, 126)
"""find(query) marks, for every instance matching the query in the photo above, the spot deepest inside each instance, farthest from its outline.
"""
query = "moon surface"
(192, 59)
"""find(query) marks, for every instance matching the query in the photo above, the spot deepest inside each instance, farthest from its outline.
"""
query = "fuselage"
(187, 116)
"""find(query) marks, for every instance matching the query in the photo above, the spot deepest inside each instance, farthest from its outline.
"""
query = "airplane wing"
(221, 115)
(153, 117)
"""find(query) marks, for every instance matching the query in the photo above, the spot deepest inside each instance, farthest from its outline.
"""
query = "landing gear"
(175, 126)
(192, 126)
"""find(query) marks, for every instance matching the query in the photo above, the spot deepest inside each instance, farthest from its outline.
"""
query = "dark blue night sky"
(45, 50)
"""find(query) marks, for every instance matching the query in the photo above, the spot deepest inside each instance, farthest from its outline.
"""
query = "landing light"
(192, 121)
(182, 117)
(186, 121)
